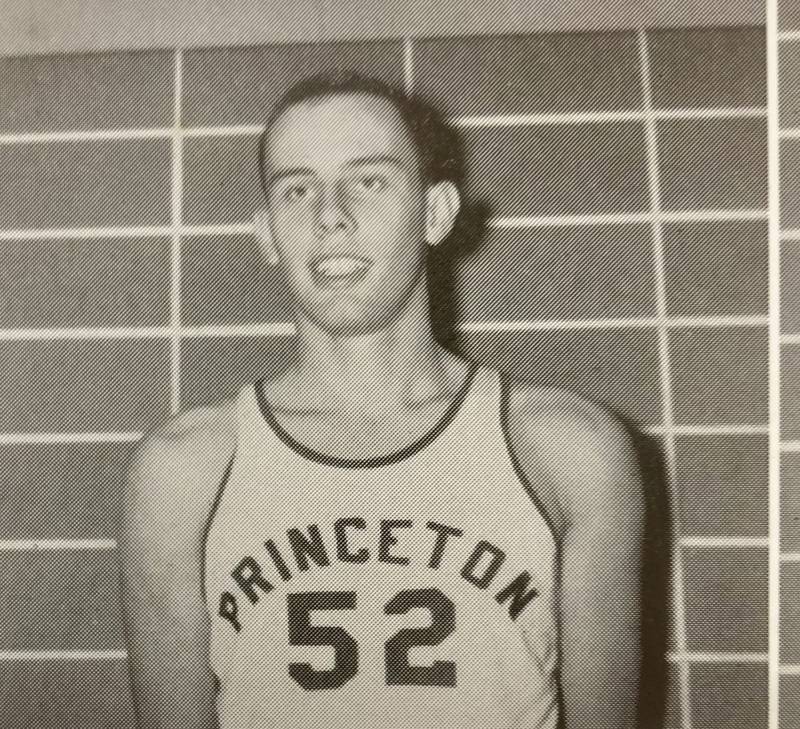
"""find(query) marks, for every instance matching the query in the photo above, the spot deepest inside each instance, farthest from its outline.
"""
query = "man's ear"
(263, 231)
(443, 204)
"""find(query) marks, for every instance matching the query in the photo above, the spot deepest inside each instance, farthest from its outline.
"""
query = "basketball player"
(384, 535)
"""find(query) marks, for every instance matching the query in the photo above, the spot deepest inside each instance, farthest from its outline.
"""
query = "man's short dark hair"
(437, 144)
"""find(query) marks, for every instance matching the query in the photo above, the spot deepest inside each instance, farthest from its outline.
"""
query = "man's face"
(346, 205)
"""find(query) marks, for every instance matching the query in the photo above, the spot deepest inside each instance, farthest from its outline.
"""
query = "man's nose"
(332, 214)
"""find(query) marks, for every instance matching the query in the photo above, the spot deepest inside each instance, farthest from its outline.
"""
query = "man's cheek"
(394, 229)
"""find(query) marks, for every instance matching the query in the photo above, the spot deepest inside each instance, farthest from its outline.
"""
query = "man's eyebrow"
(355, 162)
(289, 172)
(376, 159)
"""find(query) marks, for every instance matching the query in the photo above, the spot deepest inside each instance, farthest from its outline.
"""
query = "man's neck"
(398, 366)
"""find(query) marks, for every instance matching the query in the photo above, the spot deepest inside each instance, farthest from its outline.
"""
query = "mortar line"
(521, 221)
(62, 655)
(651, 134)
(121, 654)
(488, 120)
(175, 248)
(774, 354)
(102, 543)
(56, 545)
(67, 437)
(39, 334)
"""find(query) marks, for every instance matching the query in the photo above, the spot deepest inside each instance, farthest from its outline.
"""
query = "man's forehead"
(339, 126)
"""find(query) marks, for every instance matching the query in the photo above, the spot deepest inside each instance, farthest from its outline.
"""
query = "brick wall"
(625, 257)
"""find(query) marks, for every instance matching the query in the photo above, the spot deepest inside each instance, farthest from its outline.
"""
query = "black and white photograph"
(401, 365)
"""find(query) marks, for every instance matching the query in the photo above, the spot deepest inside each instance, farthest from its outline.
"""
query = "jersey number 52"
(398, 669)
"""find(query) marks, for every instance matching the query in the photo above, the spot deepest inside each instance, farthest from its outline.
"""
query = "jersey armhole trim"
(209, 520)
(505, 406)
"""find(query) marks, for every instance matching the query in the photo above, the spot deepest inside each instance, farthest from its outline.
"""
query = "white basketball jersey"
(414, 591)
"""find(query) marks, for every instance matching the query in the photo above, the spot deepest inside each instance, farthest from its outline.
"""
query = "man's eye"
(371, 183)
(295, 193)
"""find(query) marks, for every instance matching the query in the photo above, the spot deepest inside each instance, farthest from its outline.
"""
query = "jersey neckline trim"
(378, 461)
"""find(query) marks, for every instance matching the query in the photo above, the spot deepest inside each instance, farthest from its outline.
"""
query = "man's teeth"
(340, 266)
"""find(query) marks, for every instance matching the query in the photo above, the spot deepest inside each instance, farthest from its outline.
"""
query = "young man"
(385, 535)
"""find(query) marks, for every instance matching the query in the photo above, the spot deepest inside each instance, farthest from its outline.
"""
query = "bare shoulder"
(580, 454)
(176, 469)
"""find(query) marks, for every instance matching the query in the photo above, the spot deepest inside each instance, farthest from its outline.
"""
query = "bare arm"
(585, 463)
(170, 490)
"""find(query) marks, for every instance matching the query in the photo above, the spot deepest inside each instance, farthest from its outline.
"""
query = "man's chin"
(352, 328)
(350, 323)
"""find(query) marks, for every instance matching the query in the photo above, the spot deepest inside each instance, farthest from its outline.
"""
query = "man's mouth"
(339, 270)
